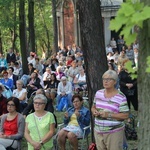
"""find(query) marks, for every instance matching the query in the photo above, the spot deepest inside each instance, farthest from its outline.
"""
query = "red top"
(68, 63)
(10, 126)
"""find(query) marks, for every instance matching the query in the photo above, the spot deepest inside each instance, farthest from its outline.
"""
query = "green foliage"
(130, 14)
(131, 70)
(43, 17)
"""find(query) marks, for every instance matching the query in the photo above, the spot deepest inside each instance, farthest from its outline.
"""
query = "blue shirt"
(8, 83)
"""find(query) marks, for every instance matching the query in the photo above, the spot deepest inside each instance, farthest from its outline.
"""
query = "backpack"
(7, 92)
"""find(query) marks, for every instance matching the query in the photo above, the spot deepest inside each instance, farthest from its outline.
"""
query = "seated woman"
(80, 81)
(52, 86)
(25, 77)
(3, 100)
(10, 71)
(33, 84)
(12, 125)
(75, 119)
(40, 126)
(21, 94)
(6, 81)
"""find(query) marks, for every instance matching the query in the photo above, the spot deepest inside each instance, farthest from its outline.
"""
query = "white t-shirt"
(18, 94)
(81, 78)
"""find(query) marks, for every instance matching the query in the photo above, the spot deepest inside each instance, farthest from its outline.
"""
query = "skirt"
(75, 129)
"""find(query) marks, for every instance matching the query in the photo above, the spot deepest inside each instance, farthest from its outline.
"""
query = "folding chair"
(82, 142)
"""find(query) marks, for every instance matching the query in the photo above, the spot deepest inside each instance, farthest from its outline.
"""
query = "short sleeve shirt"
(43, 124)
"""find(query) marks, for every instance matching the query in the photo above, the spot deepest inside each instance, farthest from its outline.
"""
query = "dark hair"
(112, 66)
(16, 102)
(37, 58)
(54, 76)
(30, 64)
(77, 96)
(12, 69)
(16, 63)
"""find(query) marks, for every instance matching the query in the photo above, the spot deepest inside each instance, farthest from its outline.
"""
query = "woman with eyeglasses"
(75, 119)
(40, 126)
(12, 125)
(110, 109)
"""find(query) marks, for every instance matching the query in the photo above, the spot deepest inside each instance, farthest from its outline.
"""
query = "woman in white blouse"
(80, 80)
(21, 94)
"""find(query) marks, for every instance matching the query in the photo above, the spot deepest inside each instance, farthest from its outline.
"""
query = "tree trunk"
(1, 48)
(144, 87)
(55, 26)
(13, 32)
(31, 25)
(93, 45)
(22, 34)
(47, 33)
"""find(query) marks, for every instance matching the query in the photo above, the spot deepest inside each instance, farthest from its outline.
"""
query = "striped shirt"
(115, 104)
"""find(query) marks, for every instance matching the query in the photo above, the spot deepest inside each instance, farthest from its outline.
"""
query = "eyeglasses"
(107, 79)
(76, 101)
(38, 103)
(11, 105)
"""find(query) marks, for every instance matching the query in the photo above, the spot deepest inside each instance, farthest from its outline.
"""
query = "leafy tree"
(138, 13)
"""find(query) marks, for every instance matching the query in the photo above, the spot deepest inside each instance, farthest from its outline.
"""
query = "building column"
(75, 28)
(62, 24)
(107, 32)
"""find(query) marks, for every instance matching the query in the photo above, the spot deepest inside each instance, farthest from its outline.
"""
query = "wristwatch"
(109, 115)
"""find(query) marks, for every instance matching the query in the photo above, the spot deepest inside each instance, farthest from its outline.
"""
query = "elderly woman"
(64, 90)
(110, 109)
(40, 126)
(21, 94)
(12, 125)
(75, 119)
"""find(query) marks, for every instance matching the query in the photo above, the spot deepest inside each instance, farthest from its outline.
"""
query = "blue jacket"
(83, 119)
(9, 83)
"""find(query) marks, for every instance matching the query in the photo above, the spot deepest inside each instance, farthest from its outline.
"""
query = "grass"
(131, 143)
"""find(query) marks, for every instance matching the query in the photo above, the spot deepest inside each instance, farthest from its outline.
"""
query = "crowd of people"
(29, 106)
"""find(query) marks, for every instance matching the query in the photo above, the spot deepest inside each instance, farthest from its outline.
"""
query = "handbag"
(38, 131)
(10, 146)
(131, 92)
(92, 146)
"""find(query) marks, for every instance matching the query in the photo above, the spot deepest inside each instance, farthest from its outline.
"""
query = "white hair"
(112, 74)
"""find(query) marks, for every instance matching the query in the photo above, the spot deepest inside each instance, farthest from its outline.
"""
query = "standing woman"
(40, 126)
(128, 86)
(110, 109)
(12, 125)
